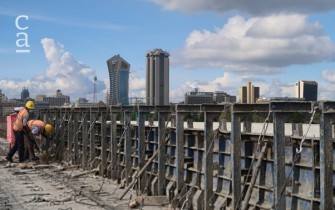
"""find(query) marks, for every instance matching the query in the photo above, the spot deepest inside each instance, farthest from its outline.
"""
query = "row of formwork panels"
(153, 150)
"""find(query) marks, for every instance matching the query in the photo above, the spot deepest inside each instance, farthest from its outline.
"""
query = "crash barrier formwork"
(157, 150)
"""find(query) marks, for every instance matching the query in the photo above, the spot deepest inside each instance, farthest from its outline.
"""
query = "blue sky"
(214, 45)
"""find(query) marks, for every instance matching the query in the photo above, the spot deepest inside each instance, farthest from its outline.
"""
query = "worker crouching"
(37, 128)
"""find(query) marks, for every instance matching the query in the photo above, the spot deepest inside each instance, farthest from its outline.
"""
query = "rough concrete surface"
(42, 187)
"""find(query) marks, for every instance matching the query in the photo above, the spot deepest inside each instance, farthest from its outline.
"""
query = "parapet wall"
(209, 165)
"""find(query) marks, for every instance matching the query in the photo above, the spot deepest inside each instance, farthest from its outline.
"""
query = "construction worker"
(37, 127)
(20, 129)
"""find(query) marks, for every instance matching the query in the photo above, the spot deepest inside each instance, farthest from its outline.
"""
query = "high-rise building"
(24, 93)
(157, 77)
(248, 94)
(118, 70)
(307, 90)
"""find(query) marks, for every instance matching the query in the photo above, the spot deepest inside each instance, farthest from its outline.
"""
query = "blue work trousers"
(18, 145)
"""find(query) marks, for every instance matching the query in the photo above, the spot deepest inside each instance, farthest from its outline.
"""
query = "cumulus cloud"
(276, 88)
(257, 45)
(72, 77)
(256, 7)
(136, 83)
(326, 93)
(328, 75)
(327, 89)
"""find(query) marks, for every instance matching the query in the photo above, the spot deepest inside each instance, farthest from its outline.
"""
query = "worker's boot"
(9, 159)
(35, 158)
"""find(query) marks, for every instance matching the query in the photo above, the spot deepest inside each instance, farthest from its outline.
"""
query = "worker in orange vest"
(37, 127)
(20, 129)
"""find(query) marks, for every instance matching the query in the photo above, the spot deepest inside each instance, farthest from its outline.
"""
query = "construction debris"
(85, 173)
(149, 201)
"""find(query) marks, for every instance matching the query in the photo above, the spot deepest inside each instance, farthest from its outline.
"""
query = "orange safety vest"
(36, 123)
(21, 118)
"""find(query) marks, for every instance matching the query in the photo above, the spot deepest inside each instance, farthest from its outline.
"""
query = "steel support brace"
(141, 139)
(210, 112)
(295, 180)
(208, 161)
(142, 111)
(280, 113)
(103, 168)
(127, 146)
(75, 138)
(58, 128)
(60, 152)
(93, 116)
(163, 115)
(237, 111)
(181, 111)
(84, 140)
(279, 160)
(70, 129)
(115, 148)
(180, 151)
(235, 136)
(326, 155)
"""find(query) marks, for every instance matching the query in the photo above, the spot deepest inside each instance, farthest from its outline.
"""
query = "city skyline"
(211, 48)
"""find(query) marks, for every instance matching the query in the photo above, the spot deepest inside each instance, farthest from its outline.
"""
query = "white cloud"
(257, 45)
(72, 77)
(136, 83)
(328, 75)
(327, 89)
(276, 88)
(256, 7)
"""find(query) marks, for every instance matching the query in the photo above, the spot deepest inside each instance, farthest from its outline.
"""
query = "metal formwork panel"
(181, 111)
(326, 154)
(192, 167)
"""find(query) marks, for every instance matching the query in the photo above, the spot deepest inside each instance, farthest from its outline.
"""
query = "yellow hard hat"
(30, 105)
(48, 129)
